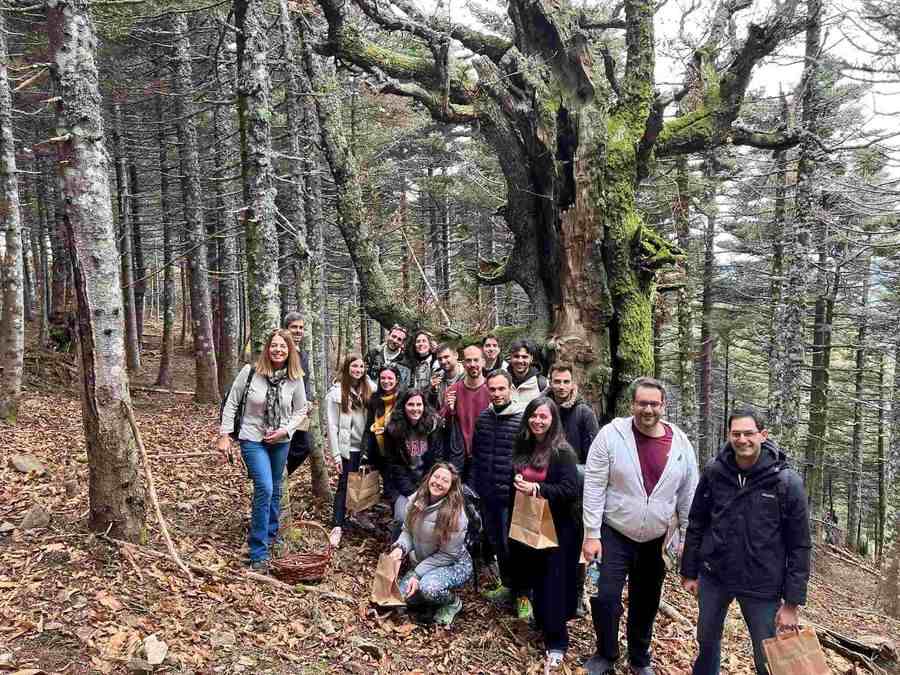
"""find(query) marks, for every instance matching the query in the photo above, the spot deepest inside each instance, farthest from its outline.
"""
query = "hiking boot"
(597, 665)
(446, 613)
(499, 595)
(260, 566)
(523, 608)
(554, 660)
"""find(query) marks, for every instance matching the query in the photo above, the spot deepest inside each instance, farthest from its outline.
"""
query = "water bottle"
(593, 572)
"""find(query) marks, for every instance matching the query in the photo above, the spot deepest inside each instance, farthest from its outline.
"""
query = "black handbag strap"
(239, 413)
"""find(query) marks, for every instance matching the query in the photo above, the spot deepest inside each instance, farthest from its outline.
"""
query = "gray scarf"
(273, 417)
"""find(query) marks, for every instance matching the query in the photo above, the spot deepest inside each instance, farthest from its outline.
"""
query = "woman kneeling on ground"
(544, 466)
(347, 404)
(274, 405)
(433, 536)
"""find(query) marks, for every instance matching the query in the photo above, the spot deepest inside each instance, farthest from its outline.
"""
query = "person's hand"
(338, 464)
(436, 380)
(591, 549)
(523, 485)
(223, 445)
(787, 617)
(396, 554)
(451, 398)
(275, 436)
(411, 587)
(692, 586)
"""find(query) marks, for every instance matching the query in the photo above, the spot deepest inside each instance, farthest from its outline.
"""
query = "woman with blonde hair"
(270, 402)
(346, 407)
(434, 538)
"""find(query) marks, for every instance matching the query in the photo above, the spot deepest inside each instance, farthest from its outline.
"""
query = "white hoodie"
(614, 486)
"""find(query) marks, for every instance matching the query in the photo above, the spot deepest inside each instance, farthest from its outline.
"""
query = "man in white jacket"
(640, 478)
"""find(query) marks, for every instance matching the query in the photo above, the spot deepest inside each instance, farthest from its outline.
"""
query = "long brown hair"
(448, 515)
(365, 391)
(264, 363)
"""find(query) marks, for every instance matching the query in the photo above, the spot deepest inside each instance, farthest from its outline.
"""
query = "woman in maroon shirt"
(544, 466)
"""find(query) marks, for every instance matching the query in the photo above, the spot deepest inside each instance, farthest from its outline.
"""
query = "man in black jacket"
(747, 539)
(492, 471)
(301, 441)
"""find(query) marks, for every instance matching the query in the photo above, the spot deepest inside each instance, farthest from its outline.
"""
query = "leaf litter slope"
(71, 601)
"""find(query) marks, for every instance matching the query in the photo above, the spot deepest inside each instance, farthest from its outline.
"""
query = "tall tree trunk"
(29, 275)
(116, 489)
(12, 309)
(167, 345)
(687, 401)
(132, 340)
(39, 248)
(255, 107)
(854, 488)
(707, 438)
(206, 375)
(137, 246)
(891, 586)
(881, 518)
(777, 351)
(226, 131)
(60, 265)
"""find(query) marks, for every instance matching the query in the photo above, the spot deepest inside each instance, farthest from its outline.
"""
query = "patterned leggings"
(436, 586)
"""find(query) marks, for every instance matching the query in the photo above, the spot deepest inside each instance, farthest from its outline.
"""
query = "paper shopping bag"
(532, 522)
(363, 489)
(795, 653)
(385, 589)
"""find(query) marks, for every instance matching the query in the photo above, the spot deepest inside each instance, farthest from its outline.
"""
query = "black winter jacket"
(492, 451)
(403, 478)
(752, 539)
(580, 425)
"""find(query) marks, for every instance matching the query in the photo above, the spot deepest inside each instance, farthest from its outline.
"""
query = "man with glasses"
(641, 473)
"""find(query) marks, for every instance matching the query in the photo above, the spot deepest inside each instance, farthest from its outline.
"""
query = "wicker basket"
(295, 568)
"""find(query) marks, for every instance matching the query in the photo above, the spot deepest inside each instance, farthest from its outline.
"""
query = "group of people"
(441, 431)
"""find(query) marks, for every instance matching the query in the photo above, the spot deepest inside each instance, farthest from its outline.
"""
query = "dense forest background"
(187, 172)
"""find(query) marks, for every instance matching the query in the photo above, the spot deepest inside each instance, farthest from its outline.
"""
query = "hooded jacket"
(614, 487)
(749, 530)
(530, 388)
(492, 452)
(422, 543)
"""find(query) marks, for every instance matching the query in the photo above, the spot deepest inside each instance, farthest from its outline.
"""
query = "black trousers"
(301, 444)
(643, 566)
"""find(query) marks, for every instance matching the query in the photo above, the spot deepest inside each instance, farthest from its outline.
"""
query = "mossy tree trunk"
(206, 371)
(573, 140)
(167, 341)
(12, 324)
(115, 488)
(855, 479)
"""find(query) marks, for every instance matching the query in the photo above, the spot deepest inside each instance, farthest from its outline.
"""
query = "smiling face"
(647, 408)
(395, 339)
(540, 421)
(357, 369)
(520, 361)
(439, 483)
(423, 344)
(297, 329)
(448, 360)
(388, 381)
(473, 362)
(414, 409)
(278, 351)
(746, 440)
(491, 349)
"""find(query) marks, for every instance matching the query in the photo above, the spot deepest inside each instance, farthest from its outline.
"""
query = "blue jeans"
(759, 616)
(265, 464)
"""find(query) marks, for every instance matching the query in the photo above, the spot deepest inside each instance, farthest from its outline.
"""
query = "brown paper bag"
(532, 522)
(795, 653)
(363, 489)
(385, 589)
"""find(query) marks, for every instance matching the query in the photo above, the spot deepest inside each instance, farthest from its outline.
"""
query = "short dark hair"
(443, 347)
(397, 326)
(490, 336)
(560, 366)
(647, 382)
(750, 412)
(525, 344)
(499, 373)
(290, 318)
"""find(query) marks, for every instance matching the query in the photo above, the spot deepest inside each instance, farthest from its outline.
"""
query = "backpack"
(239, 413)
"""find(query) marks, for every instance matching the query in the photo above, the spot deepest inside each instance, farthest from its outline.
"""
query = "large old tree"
(575, 130)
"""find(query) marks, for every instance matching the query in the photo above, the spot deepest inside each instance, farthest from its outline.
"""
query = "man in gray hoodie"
(640, 478)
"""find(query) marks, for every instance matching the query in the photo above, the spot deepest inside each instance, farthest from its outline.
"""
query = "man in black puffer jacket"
(747, 539)
(492, 471)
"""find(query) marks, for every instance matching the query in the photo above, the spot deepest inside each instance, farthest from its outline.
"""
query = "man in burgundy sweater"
(640, 476)
(463, 403)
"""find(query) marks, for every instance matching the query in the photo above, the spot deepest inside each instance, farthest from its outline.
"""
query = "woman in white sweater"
(270, 402)
(346, 406)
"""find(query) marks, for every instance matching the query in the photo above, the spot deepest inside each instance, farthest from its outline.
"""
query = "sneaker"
(446, 613)
(335, 537)
(597, 665)
(260, 566)
(523, 608)
(641, 670)
(554, 660)
(499, 595)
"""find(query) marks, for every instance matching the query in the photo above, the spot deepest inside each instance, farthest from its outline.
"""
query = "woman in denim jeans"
(274, 406)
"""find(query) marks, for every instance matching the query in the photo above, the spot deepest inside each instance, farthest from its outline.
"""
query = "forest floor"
(72, 601)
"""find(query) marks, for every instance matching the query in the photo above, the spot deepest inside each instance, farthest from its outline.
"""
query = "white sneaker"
(335, 537)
